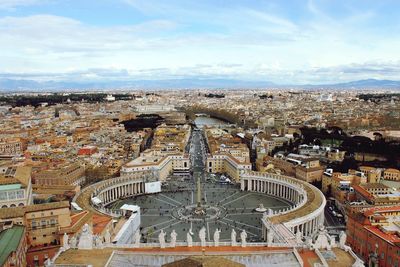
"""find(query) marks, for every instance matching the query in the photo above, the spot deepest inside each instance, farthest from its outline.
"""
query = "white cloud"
(12, 4)
(230, 41)
(265, 72)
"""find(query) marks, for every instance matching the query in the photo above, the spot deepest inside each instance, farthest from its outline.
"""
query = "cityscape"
(199, 133)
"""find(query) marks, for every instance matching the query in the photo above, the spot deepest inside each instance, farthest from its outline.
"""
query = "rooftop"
(9, 241)
(20, 211)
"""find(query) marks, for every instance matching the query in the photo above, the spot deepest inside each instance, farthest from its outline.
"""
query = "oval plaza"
(194, 191)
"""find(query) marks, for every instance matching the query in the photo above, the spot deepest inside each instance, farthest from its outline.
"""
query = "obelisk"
(198, 191)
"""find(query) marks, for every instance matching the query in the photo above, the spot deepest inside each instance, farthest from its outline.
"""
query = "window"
(3, 195)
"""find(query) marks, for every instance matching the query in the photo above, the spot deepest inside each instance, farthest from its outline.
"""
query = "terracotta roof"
(4, 181)
(100, 222)
(23, 174)
(6, 213)
(393, 238)
(363, 192)
(374, 210)
(374, 185)
(77, 221)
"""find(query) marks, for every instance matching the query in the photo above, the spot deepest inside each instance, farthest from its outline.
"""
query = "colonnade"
(305, 216)
(118, 191)
(113, 189)
(273, 187)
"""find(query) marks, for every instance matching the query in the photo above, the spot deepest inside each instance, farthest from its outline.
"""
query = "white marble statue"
(299, 237)
(243, 236)
(333, 242)
(86, 238)
(137, 238)
(107, 237)
(161, 238)
(270, 237)
(342, 239)
(216, 237)
(233, 238)
(189, 238)
(323, 239)
(65, 241)
(173, 238)
(98, 242)
(72, 242)
(202, 236)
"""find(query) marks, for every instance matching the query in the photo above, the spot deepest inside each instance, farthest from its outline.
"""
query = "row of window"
(11, 195)
(43, 223)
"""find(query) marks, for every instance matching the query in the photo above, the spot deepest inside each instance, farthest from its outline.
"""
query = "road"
(333, 225)
(197, 154)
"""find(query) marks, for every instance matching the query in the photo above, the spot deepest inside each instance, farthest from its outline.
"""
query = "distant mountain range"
(15, 85)
(368, 83)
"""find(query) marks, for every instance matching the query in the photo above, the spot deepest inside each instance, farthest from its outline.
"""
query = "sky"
(285, 42)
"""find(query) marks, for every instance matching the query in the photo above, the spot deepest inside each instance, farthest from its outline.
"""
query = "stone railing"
(196, 244)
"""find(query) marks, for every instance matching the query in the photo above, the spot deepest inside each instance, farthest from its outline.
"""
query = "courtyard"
(233, 208)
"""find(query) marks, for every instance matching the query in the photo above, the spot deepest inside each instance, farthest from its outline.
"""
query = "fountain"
(261, 208)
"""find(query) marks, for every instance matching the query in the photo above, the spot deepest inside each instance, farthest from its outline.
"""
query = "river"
(209, 121)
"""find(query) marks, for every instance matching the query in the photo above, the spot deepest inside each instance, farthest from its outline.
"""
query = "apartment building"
(43, 223)
(374, 234)
(227, 154)
(11, 147)
(391, 174)
(166, 156)
(64, 173)
(15, 187)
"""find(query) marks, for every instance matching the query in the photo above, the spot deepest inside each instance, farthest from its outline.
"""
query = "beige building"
(15, 187)
(166, 156)
(391, 174)
(376, 188)
(226, 163)
(334, 181)
(373, 174)
(160, 165)
(42, 221)
(61, 174)
(336, 155)
(227, 154)
(302, 167)
(11, 147)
